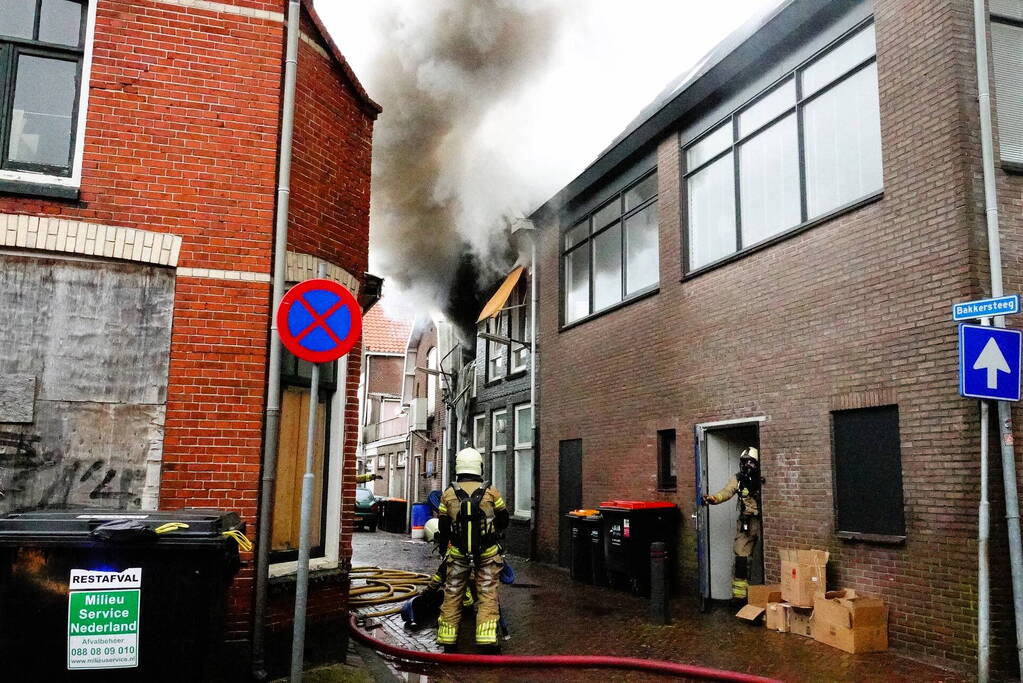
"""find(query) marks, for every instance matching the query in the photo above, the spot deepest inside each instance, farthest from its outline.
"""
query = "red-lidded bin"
(630, 526)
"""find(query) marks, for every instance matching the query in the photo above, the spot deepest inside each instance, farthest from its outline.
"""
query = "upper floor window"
(431, 381)
(1007, 49)
(497, 352)
(42, 48)
(612, 254)
(806, 147)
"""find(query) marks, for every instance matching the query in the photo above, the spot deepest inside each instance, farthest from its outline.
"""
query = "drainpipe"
(273, 393)
(1004, 407)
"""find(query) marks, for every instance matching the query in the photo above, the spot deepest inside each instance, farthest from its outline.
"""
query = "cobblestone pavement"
(548, 613)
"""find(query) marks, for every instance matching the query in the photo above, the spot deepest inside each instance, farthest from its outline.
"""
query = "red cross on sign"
(319, 320)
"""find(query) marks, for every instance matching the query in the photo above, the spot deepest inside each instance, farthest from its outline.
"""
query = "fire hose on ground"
(389, 586)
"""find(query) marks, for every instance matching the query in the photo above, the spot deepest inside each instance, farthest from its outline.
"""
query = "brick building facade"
(152, 169)
(813, 198)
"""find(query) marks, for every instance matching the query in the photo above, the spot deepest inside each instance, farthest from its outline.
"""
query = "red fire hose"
(573, 661)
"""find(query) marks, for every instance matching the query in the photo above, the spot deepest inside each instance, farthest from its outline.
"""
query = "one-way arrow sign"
(992, 360)
(989, 362)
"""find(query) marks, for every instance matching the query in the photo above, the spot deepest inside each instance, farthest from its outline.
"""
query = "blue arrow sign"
(985, 308)
(989, 362)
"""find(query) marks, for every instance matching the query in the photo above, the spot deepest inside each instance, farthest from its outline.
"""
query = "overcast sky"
(602, 62)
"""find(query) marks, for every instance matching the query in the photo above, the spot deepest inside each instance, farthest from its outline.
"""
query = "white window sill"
(316, 564)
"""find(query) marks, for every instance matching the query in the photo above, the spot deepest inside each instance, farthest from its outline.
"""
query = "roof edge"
(369, 104)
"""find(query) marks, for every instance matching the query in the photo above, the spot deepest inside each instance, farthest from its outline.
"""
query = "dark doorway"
(570, 491)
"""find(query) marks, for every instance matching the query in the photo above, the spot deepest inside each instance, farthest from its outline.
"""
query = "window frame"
(522, 449)
(477, 433)
(493, 430)
(588, 241)
(866, 536)
(45, 179)
(496, 352)
(995, 17)
(667, 460)
(737, 142)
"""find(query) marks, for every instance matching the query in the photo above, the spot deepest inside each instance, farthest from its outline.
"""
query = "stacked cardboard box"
(800, 604)
(850, 622)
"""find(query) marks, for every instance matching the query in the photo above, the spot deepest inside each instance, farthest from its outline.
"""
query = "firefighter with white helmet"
(746, 485)
(472, 515)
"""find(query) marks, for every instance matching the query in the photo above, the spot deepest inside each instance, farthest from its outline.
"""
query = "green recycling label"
(103, 619)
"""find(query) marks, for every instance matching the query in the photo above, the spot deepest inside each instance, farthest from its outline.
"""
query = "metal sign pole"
(983, 577)
(302, 577)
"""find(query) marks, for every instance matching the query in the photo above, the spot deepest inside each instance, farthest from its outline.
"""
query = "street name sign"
(103, 619)
(989, 362)
(985, 308)
(319, 320)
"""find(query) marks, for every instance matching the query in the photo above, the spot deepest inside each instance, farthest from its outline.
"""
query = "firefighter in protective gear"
(472, 515)
(746, 485)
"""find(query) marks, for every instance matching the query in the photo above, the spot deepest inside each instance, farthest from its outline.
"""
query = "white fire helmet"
(469, 461)
(430, 529)
(751, 453)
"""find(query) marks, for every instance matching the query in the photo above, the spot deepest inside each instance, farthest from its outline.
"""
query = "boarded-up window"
(868, 472)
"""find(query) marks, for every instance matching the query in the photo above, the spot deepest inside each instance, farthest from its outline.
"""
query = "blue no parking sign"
(319, 320)
(989, 362)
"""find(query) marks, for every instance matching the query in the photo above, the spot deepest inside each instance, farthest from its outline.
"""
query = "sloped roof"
(383, 334)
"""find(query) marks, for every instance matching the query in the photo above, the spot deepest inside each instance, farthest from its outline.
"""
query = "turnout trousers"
(486, 577)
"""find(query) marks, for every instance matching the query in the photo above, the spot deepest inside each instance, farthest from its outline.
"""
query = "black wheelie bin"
(630, 526)
(88, 595)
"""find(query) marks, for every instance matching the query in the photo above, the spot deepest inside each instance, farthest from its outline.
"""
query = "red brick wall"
(181, 137)
(854, 312)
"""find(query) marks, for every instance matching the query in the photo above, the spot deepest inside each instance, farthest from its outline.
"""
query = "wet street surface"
(549, 613)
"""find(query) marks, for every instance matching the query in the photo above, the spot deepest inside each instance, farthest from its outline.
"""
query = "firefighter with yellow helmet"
(746, 485)
(472, 515)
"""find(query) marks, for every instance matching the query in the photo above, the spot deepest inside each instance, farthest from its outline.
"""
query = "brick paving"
(549, 613)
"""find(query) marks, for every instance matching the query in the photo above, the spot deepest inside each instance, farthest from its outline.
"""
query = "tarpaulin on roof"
(500, 297)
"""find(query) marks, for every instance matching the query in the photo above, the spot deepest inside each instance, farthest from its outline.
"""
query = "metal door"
(570, 492)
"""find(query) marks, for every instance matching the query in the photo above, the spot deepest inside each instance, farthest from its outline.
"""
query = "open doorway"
(718, 449)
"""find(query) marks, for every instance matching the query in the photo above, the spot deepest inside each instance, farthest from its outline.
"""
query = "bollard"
(659, 612)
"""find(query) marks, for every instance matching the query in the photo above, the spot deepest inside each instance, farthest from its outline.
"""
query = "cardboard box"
(851, 622)
(761, 595)
(750, 612)
(802, 575)
(778, 616)
(800, 621)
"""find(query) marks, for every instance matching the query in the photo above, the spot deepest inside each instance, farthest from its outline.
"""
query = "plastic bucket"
(420, 515)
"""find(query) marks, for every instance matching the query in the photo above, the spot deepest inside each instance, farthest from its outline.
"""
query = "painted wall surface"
(92, 342)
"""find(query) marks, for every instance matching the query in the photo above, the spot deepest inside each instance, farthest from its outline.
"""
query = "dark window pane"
(44, 100)
(607, 268)
(641, 192)
(17, 18)
(607, 215)
(868, 471)
(60, 21)
(577, 234)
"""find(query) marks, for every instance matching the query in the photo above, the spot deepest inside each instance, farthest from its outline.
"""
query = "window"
(520, 328)
(497, 352)
(666, 480)
(498, 448)
(295, 398)
(523, 502)
(868, 472)
(479, 433)
(612, 255)
(382, 462)
(808, 146)
(1007, 49)
(42, 50)
(431, 381)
